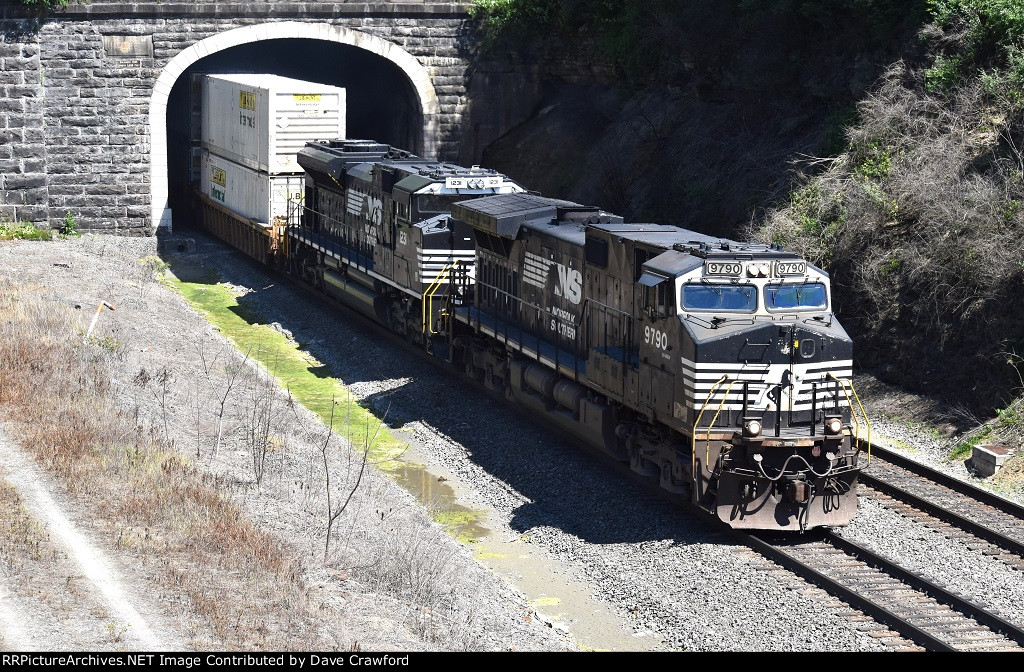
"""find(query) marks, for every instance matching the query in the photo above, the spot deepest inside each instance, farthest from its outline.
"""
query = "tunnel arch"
(419, 79)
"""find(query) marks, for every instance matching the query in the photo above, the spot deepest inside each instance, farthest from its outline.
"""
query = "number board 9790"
(733, 268)
(790, 268)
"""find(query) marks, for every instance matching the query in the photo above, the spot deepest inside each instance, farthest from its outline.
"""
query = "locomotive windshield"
(809, 296)
(709, 296)
(437, 203)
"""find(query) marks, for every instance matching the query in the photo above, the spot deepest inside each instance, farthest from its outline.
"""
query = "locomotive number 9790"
(656, 337)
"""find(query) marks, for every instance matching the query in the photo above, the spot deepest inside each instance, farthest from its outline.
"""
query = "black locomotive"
(714, 366)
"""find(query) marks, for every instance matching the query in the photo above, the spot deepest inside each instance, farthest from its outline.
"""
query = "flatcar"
(715, 367)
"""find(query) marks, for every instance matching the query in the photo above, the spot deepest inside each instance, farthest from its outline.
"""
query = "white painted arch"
(418, 76)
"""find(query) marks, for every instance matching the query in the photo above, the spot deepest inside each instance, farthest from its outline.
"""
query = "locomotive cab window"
(664, 303)
(433, 204)
(807, 296)
(658, 299)
(719, 297)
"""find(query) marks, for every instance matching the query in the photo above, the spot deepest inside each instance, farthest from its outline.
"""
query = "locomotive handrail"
(853, 413)
(693, 435)
(520, 304)
(427, 304)
(707, 435)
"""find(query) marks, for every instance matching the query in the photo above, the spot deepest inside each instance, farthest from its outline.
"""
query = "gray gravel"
(927, 551)
(661, 570)
(920, 548)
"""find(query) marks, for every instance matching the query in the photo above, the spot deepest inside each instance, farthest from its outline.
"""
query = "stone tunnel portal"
(381, 102)
(390, 94)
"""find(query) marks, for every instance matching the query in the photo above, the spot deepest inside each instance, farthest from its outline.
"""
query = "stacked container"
(252, 128)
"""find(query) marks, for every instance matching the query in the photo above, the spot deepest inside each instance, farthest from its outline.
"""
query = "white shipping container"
(249, 193)
(262, 121)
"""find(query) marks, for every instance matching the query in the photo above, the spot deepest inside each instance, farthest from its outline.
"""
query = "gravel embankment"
(661, 570)
(667, 576)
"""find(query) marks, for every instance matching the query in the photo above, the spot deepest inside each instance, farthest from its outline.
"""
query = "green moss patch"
(309, 381)
(314, 385)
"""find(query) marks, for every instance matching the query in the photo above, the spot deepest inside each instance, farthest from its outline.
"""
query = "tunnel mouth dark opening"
(381, 102)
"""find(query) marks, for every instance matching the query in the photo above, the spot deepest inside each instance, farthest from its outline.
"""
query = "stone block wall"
(76, 90)
(23, 171)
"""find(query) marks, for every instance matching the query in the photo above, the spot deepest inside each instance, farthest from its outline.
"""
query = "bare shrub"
(350, 484)
(410, 565)
(262, 412)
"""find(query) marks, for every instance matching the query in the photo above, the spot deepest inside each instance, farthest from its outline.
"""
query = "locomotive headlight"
(833, 425)
(763, 270)
(751, 427)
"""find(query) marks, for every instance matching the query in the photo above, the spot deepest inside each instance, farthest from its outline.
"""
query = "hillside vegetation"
(881, 139)
(919, 219)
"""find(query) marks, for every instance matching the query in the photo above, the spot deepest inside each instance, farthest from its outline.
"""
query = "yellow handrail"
(853, 414)
(721, 405)
(427, 304)
(693, 435)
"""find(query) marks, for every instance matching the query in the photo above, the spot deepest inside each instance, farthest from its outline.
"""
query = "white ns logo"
(570, 284)
(374, 209)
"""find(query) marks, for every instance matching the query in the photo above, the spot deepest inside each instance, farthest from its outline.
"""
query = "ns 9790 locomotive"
(713, 366)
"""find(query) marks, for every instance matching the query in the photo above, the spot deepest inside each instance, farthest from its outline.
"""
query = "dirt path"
(13, 635)
(77, 568)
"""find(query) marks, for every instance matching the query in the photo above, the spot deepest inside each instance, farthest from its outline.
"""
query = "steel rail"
(980, 494)
(879, 612)
(846, 594)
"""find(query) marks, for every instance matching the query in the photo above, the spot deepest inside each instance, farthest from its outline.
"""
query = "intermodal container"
(261, 121)
(251, 194)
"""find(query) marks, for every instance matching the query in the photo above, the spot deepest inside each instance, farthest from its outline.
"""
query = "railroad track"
(914, 607)
(978, 518)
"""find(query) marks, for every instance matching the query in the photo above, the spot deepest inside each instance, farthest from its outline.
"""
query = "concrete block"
(987, 459)
(177, 244)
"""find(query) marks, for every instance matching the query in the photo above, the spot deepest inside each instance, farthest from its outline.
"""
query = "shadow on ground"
(566, 486)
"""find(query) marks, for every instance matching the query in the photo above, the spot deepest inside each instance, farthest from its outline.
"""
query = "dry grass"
(56, 393)
(22, 540)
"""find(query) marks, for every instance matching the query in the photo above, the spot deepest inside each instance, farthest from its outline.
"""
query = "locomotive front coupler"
(798, 490)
